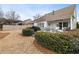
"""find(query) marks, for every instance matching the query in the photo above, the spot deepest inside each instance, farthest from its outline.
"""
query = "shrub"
(35, 28)
(27, 32)
(59, 42)
(77, 25)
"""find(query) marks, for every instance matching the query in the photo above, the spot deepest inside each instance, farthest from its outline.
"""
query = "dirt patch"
(2, 35)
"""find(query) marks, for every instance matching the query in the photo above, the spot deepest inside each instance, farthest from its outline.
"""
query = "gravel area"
(15, 43)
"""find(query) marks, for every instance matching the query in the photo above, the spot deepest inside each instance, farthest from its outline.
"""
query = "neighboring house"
(28, 22)
(60, 20)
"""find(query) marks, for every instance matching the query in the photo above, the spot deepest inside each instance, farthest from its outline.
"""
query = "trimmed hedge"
(35, 28)
(77, 25)
(27, 32)
(59, 42)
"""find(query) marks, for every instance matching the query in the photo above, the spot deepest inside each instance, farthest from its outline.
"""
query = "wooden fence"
(14, 27)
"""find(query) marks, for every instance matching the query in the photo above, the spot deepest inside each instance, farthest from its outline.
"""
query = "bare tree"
(12, 15)
(1, 13)
(37, 16)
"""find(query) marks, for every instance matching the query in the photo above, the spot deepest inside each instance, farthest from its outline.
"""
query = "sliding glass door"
(63, 25)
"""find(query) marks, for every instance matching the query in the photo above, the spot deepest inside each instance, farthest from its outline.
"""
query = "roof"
(63, 13)
(28, 21)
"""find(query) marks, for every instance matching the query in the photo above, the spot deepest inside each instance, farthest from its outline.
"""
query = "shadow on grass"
(42, 49)
(23, 35)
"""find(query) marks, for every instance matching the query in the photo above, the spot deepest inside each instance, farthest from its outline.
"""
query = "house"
(28, 22)
(59, 20)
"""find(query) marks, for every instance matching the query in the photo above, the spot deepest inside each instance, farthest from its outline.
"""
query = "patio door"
(60, 25)
(63, 25)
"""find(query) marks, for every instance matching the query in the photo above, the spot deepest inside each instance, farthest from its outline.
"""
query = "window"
(65, 24)
(41, 24)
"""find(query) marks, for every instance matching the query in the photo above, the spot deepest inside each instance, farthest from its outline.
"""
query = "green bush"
(59, 42)
(77, 25)
(27, 32)
(35, 28)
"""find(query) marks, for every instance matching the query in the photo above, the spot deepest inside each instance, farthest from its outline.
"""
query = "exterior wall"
(53, 24)
(45, 24)
(35, 24)
(73, 21)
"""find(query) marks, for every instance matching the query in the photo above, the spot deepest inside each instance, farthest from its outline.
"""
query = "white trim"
(35, 24)
(71, 23)
(45, 24)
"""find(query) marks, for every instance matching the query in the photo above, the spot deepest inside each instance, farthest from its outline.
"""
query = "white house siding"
(75, 19)
(35, 24)
(44, 26)
(73, 22)
(54, 24)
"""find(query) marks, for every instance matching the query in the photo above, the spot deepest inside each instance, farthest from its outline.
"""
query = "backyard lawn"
(2, 35)
(14, 42)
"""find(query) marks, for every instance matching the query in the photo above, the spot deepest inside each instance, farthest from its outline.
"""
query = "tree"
(1, 13)
(12, 15)
(37, 16)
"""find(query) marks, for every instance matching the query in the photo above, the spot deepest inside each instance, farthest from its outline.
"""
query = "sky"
(27, 11)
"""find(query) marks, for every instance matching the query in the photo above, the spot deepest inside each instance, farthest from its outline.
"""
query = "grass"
(2, 35)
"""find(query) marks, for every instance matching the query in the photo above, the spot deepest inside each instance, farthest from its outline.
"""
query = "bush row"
(29, 31)
(59, 42)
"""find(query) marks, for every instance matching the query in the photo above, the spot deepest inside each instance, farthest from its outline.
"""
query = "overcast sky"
(27, 11)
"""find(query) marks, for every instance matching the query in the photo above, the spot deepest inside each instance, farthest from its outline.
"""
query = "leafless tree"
(12, 15)
(37, 16)
(1, 13)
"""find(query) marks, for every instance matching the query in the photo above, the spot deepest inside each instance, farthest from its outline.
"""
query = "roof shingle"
(63, 13)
